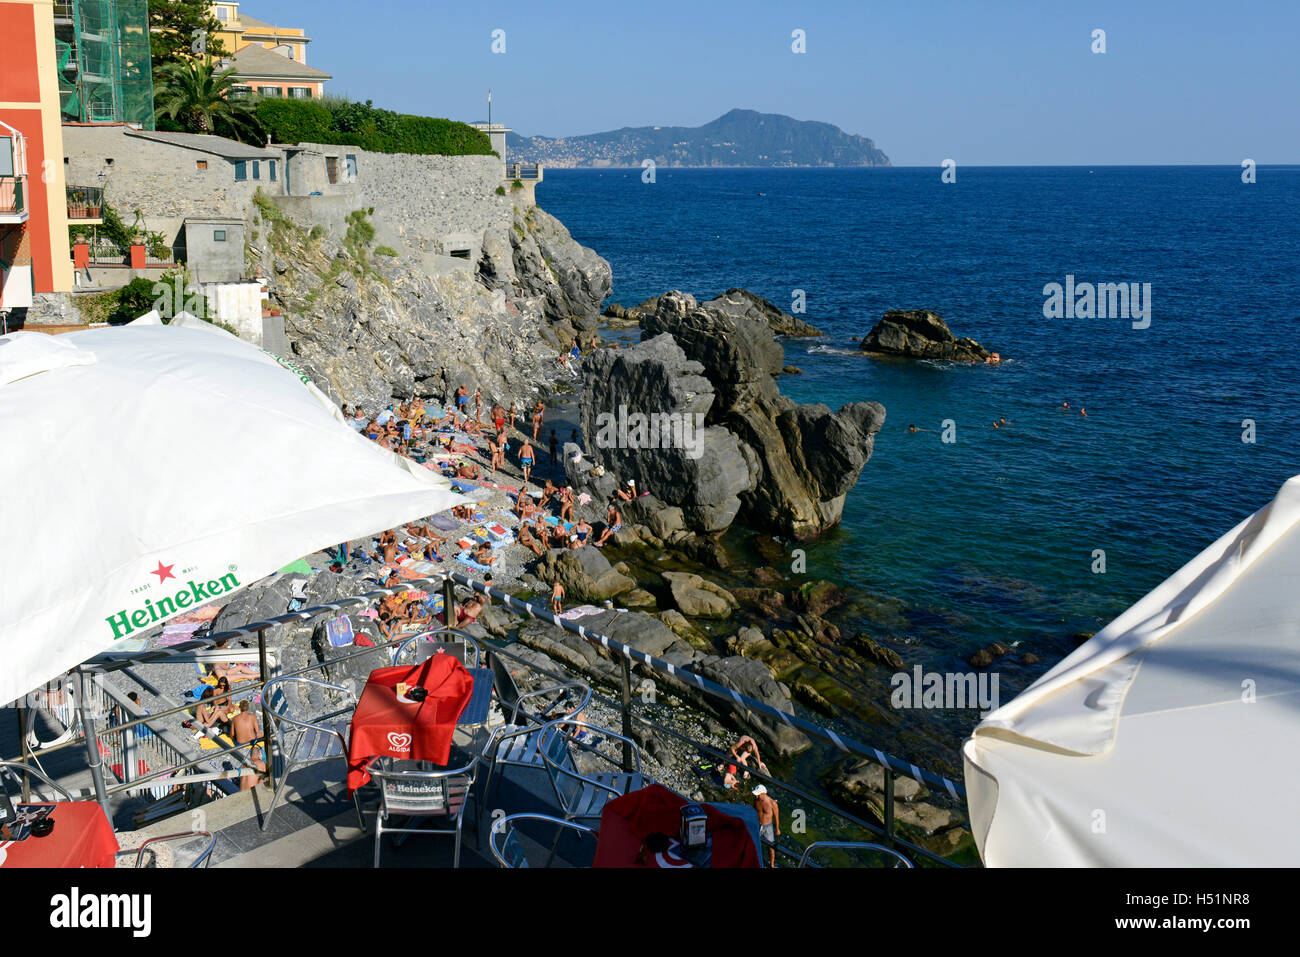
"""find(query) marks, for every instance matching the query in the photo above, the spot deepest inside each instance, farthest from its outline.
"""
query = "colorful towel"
(461, 485)
(300, 567)
(444, 523)
(464, 559)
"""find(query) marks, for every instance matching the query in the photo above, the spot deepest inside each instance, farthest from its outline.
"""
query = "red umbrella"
(626, 822)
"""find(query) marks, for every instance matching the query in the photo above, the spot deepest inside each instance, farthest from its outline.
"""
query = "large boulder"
(585, 574)
(644, 412)
(920, 334)
(698, 597)
(743, 304)
(801, 460)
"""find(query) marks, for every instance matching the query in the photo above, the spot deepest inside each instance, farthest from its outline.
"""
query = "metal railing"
(85, 202)
(13, 194)
(522, 171)
(174, 761)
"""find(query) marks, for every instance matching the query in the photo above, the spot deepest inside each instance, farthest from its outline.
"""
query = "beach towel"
(505, 488)
(444, 523)
(460, 485)
(300, 567)
(582, 611)
(200, 615)
(464, 559)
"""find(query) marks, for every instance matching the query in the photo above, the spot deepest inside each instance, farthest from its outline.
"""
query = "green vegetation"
(501, 190)
(112, 229)
(171, 31)
(196, 98)
(344, 122)
(517, 184)
(386, 251)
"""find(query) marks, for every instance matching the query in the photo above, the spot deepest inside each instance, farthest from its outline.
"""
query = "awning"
(1166, 739)
(151, 469)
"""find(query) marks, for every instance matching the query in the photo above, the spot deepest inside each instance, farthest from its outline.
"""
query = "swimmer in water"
(1065, 405)
(993, 359)
(1083, 412)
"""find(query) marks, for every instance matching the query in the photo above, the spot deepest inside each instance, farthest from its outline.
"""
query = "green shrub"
(133, 301)
(517, 184)
(348, 123)
(385, 251)
(501, 190)
(295, 121)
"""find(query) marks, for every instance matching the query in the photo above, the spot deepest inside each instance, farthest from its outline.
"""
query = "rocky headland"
(778, 465)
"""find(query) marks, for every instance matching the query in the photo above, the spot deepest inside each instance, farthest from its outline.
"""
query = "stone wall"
(425, 203)
(163, 181)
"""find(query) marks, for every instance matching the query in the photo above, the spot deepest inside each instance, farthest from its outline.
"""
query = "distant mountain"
(738, 138)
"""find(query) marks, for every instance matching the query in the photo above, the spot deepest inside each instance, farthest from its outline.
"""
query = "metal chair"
(299, 742)
(201, 861)
(582, 797)
(425, 646)
(419, 793)
(16, 769)
(515, 745)
(509, 850)
(811, 850)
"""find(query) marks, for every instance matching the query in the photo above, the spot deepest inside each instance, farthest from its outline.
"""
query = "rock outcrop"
(782, 466)
(919, 334)
(537, 258)
(743, 304)
(368, 328)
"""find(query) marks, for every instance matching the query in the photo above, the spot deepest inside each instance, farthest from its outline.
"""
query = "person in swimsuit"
(478, 404)
(582, 530)
(538, 409)
(526, 459)
(769, 820)
(246, 732)
(527, 540)
(613, 522)
(566, 504)
(548, 492)
(462, 398)
(557, 599)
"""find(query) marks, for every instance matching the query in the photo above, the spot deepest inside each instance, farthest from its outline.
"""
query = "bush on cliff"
(349, 123)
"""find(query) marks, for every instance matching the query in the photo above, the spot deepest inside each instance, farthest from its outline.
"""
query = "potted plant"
(139, 258)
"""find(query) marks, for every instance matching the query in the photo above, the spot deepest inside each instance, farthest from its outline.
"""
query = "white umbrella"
(153, 469)
(1166, 739)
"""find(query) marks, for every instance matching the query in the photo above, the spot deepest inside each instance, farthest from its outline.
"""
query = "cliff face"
(369, 327)
(536, 257)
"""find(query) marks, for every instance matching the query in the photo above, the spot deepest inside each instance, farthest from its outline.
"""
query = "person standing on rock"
(566, 504)
(462, 398)
(538, 409)
(769, 820)
(526, 459)
(478, 406)
(557, 599)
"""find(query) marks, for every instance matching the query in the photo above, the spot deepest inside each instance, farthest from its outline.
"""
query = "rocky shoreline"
(370, 331)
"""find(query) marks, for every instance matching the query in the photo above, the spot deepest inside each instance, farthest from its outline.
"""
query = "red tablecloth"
(82, 837)
(625, 823)
(383, 725)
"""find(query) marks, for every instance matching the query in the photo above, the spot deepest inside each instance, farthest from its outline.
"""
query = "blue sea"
(948, 547)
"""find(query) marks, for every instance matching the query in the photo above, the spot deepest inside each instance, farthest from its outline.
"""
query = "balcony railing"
(522, 171)
(13, 195)
(85, 202)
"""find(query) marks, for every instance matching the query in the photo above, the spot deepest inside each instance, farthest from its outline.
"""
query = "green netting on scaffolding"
(105, 67)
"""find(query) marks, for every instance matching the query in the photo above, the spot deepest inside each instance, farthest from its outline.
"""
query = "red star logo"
(163, 572)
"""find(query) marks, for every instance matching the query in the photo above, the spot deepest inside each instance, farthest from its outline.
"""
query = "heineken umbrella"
(152, 469)
(1166, 740)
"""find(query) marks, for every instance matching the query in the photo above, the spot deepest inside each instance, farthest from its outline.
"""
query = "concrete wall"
(210, 259)
(161, 180)
(238, 304)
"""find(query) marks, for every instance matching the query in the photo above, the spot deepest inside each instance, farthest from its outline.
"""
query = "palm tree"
(199, 98)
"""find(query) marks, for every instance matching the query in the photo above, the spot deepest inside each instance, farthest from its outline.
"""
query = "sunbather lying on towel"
(528, 540)
(484, 554)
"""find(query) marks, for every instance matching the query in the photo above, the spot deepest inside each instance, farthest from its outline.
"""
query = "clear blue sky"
(998, 83)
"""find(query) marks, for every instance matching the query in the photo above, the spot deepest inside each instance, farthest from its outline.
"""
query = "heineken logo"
(191, 594)
(285, 363)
